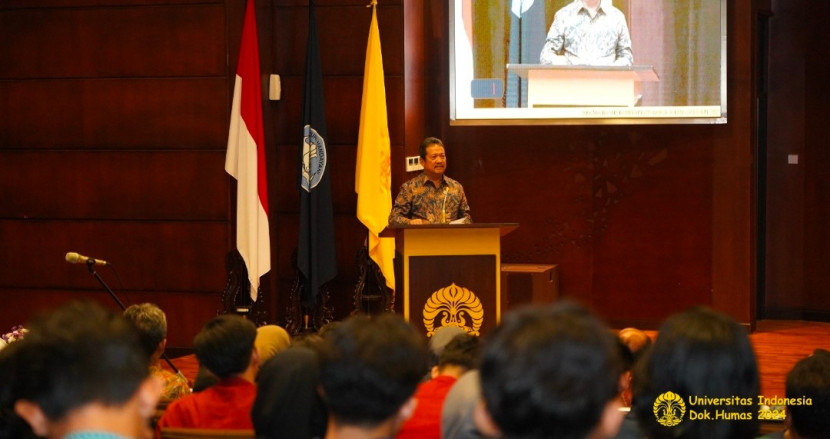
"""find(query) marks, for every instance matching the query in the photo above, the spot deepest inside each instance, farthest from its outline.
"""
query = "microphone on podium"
(75, 258)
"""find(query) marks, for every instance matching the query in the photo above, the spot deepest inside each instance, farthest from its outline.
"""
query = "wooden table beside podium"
(590, 86)
(450, 274)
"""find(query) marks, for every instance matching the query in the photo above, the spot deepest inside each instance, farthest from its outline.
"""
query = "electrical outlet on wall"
(413, 164)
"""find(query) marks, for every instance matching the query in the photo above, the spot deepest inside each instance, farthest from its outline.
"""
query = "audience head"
(370, 367)
(77, 358)
(462, 351)
(635, 340)
(287, 403)
(700, 353)
(225, 345)
(151, 323)
(271, 339)
(439, 339)
(810, 378)
(551, 372)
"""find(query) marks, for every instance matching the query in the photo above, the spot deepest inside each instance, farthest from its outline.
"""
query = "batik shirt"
(175, 386)
(575, 38)
(419, 198)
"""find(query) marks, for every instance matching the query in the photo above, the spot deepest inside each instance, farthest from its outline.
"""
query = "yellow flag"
(373, 173)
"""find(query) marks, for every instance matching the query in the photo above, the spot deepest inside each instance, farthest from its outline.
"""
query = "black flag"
(315, 255)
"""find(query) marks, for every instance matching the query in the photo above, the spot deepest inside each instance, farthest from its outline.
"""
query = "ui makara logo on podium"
(669, 409)
(314, 158)
(453, 306)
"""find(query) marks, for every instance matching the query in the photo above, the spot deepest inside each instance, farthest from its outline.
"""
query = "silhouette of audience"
(225, 347)
(151, 323)
(288, 404)
(80, 372)
(550, 372)
(698, 353)
(369, 368)
(809, 379)
(457, 357)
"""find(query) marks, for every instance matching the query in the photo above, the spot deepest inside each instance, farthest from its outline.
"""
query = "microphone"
(75, 258)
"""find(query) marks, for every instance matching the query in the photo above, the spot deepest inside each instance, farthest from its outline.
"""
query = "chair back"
(202, 433)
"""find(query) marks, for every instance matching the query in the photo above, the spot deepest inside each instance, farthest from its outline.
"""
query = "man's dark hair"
(699, 352)
(370, 366)
(549, 372)
(463, 350)
(224, 345)
(426, 143)
(74, 355)
(150, 322)
(810, 378)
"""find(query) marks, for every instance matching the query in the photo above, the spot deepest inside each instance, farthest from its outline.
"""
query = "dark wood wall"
(113, 125)
(797, 242)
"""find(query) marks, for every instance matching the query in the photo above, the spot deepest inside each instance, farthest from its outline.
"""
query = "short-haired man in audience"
(151, 323)
(550, 372)
(81, 373)
(456, 358)
(809, 378)
(369, 369)
(225, 346)
(698, 352)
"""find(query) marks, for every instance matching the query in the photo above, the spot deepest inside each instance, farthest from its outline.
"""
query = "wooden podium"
(449, 275)
(581, 86)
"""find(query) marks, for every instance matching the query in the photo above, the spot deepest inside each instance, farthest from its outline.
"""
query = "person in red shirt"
(457, 357)
(225, 346)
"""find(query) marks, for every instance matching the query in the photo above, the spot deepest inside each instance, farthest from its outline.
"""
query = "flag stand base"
(371, 295)
(306, 318)
(236, 297)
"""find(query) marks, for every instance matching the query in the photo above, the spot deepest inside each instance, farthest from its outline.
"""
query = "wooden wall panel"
(150, 256)
(343, 95)
(158, 113)
(148, 185)
(186, 312)
(138, 41)
(817, 163)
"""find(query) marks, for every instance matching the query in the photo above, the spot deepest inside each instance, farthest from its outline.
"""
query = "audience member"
(699, 353)
(370, 367)
(459, 406)
(809, 378)
(151, 323)
(270, 340)
(288, 404)
(550, 372)
(439, 339)
(80, 372)
(634, 344)
(225, 346)
(456, 358)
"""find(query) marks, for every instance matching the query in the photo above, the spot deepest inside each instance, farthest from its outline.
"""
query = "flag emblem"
(314, 158)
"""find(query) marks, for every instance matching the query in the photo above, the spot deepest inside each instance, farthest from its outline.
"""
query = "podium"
(591, 86)
(450, 274)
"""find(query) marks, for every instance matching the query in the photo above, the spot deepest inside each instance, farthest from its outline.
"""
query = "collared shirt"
(425, 422)
(576, 38)
(419, 198)
(224, 405)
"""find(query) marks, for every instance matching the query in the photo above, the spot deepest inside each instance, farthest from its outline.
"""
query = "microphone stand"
(90, 265)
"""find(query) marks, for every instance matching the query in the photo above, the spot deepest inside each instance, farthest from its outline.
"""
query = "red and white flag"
(246, 158)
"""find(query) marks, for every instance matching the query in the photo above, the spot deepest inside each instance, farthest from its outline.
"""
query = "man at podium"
(431, 197)
(588, 32)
